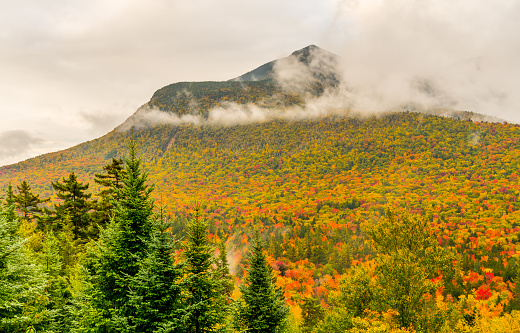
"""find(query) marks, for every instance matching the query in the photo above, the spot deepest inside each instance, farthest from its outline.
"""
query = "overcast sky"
(72, 70)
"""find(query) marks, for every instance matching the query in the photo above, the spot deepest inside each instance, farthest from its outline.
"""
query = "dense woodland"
(402, 222)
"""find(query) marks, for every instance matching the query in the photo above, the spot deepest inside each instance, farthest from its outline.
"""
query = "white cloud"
(467, 50)
(16, 144)
(76, 62)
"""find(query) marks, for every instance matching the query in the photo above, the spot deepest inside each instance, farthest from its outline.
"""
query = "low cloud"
(147, 116)
(233, 114)
(16, 142)
(435, 54)
(230, 114)
(17, 145)
(99, 122)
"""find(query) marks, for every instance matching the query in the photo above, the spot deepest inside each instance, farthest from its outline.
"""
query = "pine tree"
(111, 181)
(58, 286)
(9, 196)
(133, 209)
(261, 308)
(75, 206)
(26, 202)
(205, 300)
(9, 203)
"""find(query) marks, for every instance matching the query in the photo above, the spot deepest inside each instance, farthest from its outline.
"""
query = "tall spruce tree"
(58, 288)
(261, 308)
(206, 302)
(75, 207)
(9, 196)
(155, 291)
(116, 259)
(223, 271)
(9, 204)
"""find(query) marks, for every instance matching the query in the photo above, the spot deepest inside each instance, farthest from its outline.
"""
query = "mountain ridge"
(304, 55)
(199, 98)
(309, 185)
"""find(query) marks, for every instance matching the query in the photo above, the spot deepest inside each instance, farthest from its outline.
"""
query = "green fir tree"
(111, 181)
(261, 308)
(206, 302)
(155, 291)
(223, 270)
(22, 281)
(116, 258)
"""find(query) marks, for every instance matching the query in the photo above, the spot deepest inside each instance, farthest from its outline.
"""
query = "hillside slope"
(312, 183)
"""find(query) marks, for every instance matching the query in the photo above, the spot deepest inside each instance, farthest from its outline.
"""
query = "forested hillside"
(313, 188)
(324, 221)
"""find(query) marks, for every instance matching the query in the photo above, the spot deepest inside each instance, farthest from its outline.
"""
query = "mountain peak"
(307, 56)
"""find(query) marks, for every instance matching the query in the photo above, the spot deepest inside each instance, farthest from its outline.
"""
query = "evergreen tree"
(9, 204)
(205, 300)
(58, 286)
(261, 308)
(115, 261)
(155, 291)
(25, 201)
(111, 180)
(75, 206)
(9, 196)
(21, 281)
(223, 270)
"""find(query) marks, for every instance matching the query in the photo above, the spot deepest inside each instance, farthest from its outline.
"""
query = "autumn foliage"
(311, 185)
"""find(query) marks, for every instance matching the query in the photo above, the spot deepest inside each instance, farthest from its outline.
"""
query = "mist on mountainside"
(396, 55)
(298, 74)
(460, 55)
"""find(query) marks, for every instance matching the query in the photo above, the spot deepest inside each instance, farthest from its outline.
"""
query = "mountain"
(276, 85)
(310, 182)
(265, 152)
(275, 89)
(320, 62)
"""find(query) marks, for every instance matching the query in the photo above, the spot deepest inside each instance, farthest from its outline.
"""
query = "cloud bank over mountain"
(72, 70)
(463, 55)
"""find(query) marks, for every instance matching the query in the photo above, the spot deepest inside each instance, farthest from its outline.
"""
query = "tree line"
(114, 266)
